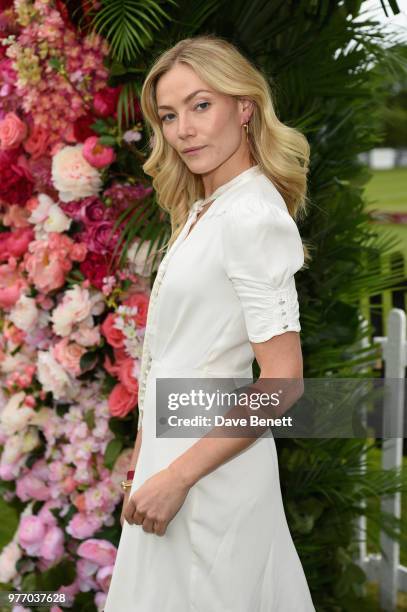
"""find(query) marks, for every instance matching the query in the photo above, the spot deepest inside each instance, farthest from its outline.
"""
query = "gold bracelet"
(126, 484)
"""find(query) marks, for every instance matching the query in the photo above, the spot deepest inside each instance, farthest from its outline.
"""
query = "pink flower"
(113, 336)
(15, 244)
(30, 487)
(52, 547)
(100, 237)
(37, 142)
(96, 154)
(12, 284)
(12, 131)
(16, 216)
(31, 533)
(101, 552)
(104, 576)
(126, 375)
(121, 402)
(83, 526)
(69, 355)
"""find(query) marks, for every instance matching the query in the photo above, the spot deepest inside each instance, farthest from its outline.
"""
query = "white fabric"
(229, 282)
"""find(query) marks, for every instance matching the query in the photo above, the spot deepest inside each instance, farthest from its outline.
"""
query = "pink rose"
(96, 154)
(101, 552)
(126, 375)
(12, 131)
(69, 355)
(113, 336)
(121, 402)
(100, 237)
(52, 547)
(140, 301)
(37, 142)
(73, 176)
(31, 533)
(93, 210)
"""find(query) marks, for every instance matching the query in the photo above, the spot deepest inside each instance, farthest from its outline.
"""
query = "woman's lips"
(194, 151)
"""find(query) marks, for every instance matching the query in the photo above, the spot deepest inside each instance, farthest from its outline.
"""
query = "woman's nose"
(185, 127)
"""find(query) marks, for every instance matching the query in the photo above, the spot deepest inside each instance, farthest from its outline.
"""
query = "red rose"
(126, 377)
(121, 402)
(113, 336)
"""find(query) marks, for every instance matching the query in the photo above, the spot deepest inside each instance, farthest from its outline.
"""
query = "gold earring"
(246, 127)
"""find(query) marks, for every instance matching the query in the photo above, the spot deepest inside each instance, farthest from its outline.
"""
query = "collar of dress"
(236, 181)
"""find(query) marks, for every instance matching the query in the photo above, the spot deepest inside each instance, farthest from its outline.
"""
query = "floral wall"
(72, 318)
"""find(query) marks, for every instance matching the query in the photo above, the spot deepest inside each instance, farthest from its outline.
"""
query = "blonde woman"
(204, 528)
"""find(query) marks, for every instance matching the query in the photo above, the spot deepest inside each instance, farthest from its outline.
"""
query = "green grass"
(387, 190)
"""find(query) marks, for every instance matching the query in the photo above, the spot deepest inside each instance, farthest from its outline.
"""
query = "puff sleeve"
(262, 250)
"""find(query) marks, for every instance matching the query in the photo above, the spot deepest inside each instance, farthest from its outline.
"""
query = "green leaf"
(112, 452)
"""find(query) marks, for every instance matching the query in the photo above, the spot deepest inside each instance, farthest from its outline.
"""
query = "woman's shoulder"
(258, 197)
(258, 204)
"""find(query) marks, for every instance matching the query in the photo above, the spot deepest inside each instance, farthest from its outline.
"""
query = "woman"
(204, 528)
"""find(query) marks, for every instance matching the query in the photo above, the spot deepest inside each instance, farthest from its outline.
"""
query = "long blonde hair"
(282, 152)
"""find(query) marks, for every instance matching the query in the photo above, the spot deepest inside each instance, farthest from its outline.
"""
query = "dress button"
(282, 302)
(285, 326)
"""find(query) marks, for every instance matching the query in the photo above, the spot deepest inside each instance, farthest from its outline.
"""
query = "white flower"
(15, 416)
(131, 136)
(52, 376)
(8, 559)
(76, 306)
(48, 217)
(25, 313)
(73, 176)
(139, 262)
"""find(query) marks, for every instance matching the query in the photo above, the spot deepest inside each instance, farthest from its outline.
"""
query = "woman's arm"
(161, 496)
(279, 357)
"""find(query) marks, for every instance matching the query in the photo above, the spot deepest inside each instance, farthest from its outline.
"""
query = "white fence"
(386, 569)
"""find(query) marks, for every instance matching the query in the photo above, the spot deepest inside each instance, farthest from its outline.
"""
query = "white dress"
(229, 282)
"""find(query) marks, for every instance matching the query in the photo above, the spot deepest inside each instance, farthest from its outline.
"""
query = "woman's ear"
(246, 108)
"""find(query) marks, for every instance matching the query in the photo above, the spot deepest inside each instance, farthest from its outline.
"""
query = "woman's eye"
(200, 104)
(164, 116)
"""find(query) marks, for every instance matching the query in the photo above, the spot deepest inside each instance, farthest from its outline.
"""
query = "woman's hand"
(157, 501)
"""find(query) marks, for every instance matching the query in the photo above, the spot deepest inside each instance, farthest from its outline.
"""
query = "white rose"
(139, 262)
(25, 313)
(73, 176)
(15, 416)
(52, 376)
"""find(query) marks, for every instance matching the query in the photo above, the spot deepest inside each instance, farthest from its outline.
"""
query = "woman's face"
(192, 114)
